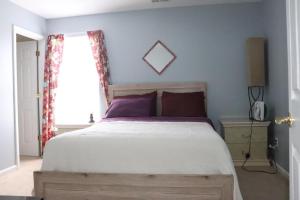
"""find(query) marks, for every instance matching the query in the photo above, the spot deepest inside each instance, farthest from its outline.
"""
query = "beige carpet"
(261, 186)
(254, 186)
(19, 182)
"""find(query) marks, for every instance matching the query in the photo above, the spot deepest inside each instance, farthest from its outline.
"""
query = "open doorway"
(27, 90)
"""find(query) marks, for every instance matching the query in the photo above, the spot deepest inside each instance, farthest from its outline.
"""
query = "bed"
(154, 158)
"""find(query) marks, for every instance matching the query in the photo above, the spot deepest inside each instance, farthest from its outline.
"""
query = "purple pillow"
(190, 104)
(152, 95)
(129, 107)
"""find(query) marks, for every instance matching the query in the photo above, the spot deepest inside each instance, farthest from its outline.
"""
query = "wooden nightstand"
(237, 137)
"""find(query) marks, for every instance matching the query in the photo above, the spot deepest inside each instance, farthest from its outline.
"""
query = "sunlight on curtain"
(78, 92)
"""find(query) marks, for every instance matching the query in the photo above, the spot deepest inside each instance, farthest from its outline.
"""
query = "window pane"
(78, 84)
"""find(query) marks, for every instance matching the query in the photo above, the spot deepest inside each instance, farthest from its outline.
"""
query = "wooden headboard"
(129, 89)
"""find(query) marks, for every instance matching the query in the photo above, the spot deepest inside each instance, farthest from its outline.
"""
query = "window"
(78, 92)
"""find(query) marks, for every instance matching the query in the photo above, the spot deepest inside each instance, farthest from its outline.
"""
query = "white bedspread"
(141, 147)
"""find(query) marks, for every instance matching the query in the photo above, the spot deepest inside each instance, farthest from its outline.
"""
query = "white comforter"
(141, 147)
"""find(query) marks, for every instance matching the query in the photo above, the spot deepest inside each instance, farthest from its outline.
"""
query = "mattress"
(146, 147)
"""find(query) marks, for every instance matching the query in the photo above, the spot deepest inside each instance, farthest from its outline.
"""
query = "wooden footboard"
(96, 186)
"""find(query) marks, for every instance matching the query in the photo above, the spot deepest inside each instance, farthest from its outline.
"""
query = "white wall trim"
(27, 33)
(18, 30)
(3, 171)
(282, 171)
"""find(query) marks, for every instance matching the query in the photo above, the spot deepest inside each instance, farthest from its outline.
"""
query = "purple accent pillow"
(129, 107)
(152, 96)
(183, 104)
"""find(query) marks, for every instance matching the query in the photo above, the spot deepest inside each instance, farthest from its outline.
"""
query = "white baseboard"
(282, 171)
(8, 169)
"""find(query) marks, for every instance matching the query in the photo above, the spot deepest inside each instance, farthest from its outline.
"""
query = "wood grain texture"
(129, 89)
(92, 186)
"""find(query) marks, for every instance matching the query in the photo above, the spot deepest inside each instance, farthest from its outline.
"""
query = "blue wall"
(209, 42)
(277, 91)
(9, 15)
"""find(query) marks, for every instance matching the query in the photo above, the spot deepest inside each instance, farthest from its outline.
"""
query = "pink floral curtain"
(99, 53)
(53, 60)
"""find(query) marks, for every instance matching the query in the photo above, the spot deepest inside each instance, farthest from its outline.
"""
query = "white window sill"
(72, 126)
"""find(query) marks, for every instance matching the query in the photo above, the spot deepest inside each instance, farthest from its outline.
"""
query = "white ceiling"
(67, 8)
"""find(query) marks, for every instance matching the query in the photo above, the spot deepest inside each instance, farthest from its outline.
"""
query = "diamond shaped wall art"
(159, 57)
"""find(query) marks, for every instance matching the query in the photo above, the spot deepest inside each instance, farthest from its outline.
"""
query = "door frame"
(35, 36)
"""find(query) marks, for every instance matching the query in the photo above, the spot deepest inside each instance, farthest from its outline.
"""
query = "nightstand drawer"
(242, 134)
(258, 151)
(238, 151)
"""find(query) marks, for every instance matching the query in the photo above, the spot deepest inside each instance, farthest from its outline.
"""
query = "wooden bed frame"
(122, 90)
(100, 186)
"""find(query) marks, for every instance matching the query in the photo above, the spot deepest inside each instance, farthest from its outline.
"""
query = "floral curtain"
(53, 60)
(99, 53)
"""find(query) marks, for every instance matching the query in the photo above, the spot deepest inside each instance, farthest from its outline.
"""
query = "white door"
(293, 26)
(27, 101)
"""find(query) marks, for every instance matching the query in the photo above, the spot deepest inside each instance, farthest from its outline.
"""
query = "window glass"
(78, 92)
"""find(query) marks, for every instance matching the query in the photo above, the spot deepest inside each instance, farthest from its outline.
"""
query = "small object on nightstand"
(237, 135)
(91, 118)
